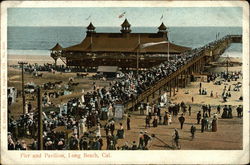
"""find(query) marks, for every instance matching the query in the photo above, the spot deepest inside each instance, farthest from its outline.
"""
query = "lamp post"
(40, 119)
(137, 55)
(137, 62)
(23, 63)
(168, 50)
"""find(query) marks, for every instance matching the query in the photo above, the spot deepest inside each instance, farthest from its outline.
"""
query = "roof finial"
(125, 26)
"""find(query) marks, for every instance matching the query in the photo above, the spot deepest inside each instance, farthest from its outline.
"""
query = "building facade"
(126, 50)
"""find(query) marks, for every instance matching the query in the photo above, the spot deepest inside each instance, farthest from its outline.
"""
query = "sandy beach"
(32, 59)
(228, 136)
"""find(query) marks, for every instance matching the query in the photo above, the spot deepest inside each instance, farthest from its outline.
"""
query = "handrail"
(164, 81)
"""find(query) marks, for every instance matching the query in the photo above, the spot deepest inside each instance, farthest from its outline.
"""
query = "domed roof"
(91, 26)
(57, 47)
(162, 27)
(125, 23)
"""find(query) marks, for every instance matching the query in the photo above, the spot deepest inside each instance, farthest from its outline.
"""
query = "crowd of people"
(83, 115)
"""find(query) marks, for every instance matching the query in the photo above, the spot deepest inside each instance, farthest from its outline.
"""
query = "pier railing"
(197, 55)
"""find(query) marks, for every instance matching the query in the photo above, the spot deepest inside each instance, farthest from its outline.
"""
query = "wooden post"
(181, 80)
(177, 83)
(174, 85)
(40, 120)
(202, 64)
(23, 94)
(170, 88)
(185, 78)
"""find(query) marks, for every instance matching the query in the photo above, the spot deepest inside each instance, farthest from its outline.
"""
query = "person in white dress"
(98, 132)
(82, 127)
(169, 119)
(147, 109)
(110, 111)
(26, 107)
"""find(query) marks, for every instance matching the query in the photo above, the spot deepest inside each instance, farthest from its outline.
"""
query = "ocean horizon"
(31, 40)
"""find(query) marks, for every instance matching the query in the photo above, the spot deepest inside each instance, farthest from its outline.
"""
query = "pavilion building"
(125, 49)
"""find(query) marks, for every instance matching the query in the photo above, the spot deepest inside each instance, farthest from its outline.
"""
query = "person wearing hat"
(73, 143)
(109, 137)
(147, 120)
(189, 110)
(24, 145)
(112, 127)
(203, 124)
(155, 121)
(11, 145)
(96, 144)
(198, 117)
(146, 138)
(111, 146)
(100, 141)
(83, 143)
(128, 122)
(18, 146)
(165, 118)
(181, 120)
(134, 146)
(141, 140)
(98, 131)
(49, 144)
(176, 138)
(230, 115)
(214, 124)
(192, 130)
(34, 145)
(120, 132)
(107, 128)
(60, 144)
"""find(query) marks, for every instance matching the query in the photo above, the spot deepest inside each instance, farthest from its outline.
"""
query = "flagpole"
(137, 55)
(168, 50)
(91, 41)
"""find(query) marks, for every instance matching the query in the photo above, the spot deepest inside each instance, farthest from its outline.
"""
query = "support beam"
(177, 84)
(174, 86)
(170, 89)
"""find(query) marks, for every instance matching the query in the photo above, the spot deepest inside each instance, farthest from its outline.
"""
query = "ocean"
(38, 40)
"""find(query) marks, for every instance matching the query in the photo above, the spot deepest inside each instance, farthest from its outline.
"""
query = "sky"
(137, 16)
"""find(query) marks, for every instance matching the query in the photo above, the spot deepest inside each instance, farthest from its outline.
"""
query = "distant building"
(121, 49)
(108, 71)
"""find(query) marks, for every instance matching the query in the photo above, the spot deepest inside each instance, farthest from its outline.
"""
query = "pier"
(180, 78)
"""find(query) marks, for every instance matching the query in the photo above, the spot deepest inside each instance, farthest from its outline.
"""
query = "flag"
(152, 44)
(161, 17)
(120, 16)
(88, 17)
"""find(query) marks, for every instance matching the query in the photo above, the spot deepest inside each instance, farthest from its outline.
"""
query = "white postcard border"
(134, 157)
